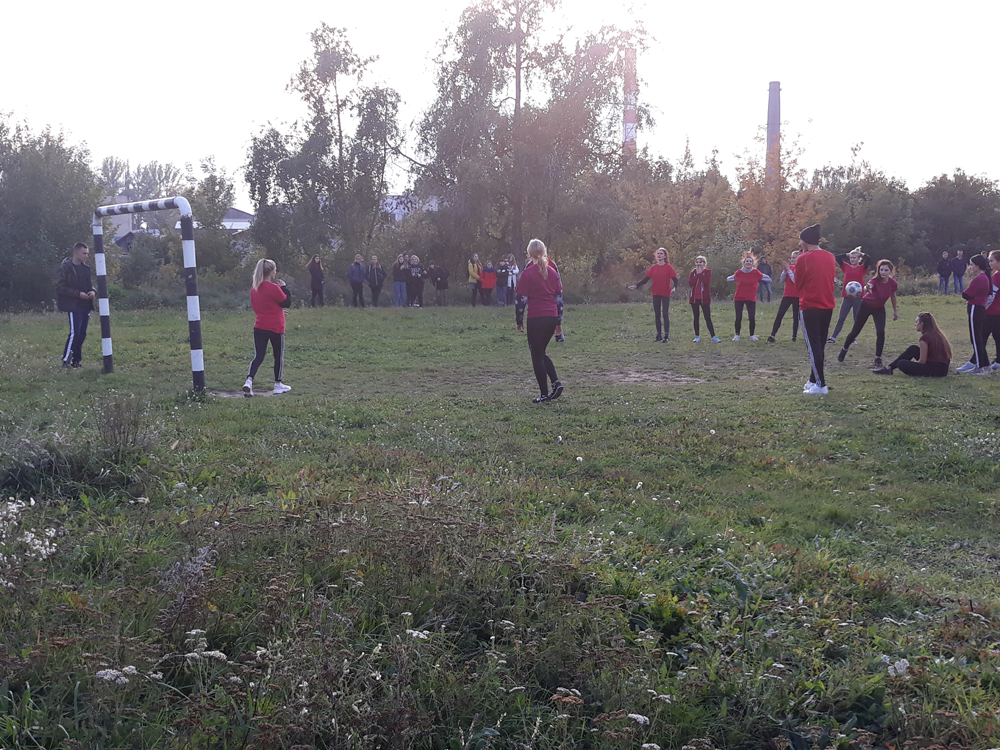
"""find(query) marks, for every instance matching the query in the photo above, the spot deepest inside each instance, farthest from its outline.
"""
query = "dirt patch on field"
(268, 393)
(764, 373)
(639, 377)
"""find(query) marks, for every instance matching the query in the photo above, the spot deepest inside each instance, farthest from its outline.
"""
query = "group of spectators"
(408, 278)
(953, 267)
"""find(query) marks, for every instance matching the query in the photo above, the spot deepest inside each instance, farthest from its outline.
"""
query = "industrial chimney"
(773, 156)
(631, 97)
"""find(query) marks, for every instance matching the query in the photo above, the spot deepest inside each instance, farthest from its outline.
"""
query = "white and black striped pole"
(101, 266)
(190, 276)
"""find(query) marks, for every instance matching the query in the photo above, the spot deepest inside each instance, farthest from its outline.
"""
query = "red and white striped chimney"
(631, 98)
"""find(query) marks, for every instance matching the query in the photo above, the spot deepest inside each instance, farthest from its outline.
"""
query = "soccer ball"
(853, 289)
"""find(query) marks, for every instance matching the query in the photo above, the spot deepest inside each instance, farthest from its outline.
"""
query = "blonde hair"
(701, 258)
(666, 253)
(265, 267)
(538, 253)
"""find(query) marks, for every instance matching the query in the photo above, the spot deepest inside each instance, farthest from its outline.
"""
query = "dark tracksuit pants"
(816, 327)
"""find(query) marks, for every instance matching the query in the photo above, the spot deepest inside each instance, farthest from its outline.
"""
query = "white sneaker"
(736, 337)
(248, 388)
(967, 367)
(809, 384)
(281, 388)
(697, 339)
(816, 390)
(995, 366)
(754, 338)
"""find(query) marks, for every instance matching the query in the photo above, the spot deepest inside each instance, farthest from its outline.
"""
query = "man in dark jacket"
(944, 272)
(763, 287)
(439, 277)
(356, 277)
(958, 265)
(375, 275)
(75, 296)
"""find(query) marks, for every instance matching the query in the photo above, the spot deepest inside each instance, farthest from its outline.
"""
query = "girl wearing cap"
(815, 272)
(664, 279)
(880, 289)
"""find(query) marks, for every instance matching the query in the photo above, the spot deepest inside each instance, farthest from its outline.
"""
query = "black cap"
(811, 235)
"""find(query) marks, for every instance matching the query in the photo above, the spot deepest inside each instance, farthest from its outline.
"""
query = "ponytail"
(263, 269)
(538, 253)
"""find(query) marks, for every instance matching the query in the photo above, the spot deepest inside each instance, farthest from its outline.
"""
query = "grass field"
(405, 552)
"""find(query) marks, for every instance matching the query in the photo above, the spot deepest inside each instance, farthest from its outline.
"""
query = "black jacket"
(70, 281)
(958, 266)
(400, 273)
(375, 275)
(439, 277)
(944, 267)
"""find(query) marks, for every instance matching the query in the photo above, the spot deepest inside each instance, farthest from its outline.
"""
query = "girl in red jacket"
(880, 289)
(664, 279)
(747, 279)
(789, 298)
(700, 296)
(269, 301)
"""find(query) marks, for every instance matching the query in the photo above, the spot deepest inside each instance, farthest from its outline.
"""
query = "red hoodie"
(815, 271)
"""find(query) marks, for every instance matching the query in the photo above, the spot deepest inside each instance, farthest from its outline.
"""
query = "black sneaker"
(557, 389)
(666, 339)
(794, 339)
(770, 340)
(883, 371)
(658, 338)
(841, 354)
(877, 363)
(76, 365)
(561, 337)
(540, 399)
(65, 366)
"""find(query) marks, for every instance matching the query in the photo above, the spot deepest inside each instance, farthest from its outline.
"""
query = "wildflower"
(639, 486)
(639, 719)
(650, 746)
(899, 668)
(421, 634)
(112, 675)
(579, 458)
(217, 655)
(406, 614)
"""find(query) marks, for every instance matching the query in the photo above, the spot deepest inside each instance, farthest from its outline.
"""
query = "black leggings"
(661, 308)
(751, 314)
(376, 291)
(260, 342)
(875, 313)
(706, 307)
(816, 327)
(977, 318)
(415, 292)
(906, 363)
(787, 302)
(540, 331)
(357, 294)
(991, 327)
(317, 294)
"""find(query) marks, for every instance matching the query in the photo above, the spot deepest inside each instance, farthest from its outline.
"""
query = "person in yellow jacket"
(475, 273)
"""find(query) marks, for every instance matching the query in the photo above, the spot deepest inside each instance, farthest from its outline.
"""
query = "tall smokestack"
(773, 156)
(631, 98)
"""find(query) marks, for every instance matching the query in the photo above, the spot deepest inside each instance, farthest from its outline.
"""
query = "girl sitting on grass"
(880, 289)
(929, 358)
(664, 279)
(747, 280)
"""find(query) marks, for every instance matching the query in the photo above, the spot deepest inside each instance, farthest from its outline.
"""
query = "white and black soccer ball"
(853, 289)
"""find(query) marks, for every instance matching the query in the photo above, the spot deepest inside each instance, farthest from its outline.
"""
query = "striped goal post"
(190, 278)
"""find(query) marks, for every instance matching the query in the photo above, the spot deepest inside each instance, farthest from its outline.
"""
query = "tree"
(775, 208)
(211, 198)
(321, 186)
(48, 194)
(961, 209)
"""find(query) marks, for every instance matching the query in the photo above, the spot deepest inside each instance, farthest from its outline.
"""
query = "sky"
(180, 82)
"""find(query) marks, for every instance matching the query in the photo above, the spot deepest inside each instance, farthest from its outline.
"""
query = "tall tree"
(958, 210)
(48, 193)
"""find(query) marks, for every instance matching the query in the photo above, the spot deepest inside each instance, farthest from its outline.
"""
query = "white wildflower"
(112, 675)
(639, 719)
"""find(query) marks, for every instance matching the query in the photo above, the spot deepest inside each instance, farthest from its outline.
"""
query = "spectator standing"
(959, 264)
(764, 286)
(475, 283)
(356, 277)
(415, 284)
(75, 296)
(316, 280)
(400, 275)
(514, 272)
(488, 282)
(503, 275)
(375, 276)
(944, 273)
(439, 278)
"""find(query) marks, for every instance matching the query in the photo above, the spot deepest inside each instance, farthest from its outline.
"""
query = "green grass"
(405, 552)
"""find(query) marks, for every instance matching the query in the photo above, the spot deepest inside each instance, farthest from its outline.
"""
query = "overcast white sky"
(915, 82)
